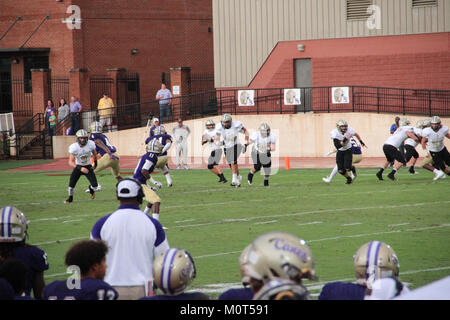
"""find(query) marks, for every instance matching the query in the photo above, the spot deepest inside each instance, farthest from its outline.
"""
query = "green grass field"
(215, 222)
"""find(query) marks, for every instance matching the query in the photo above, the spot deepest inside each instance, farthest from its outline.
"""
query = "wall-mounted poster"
(292, 97)
(246, 98)
(340, 95)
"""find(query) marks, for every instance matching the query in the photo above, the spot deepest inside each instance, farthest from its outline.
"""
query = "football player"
(13, 232)
(160, 133)
(372, 261)
(356, 158)
(279, 255)
(16, 273)
(410, 147)
(391, 151)
(209, 136)
(142, 173)
(155, 123)
(344, 156)
(229, 131)
(433, 138)
(246, 292)
(90, 257)
(173, 272)
(79, 159)
(263, 144)
(107, 152)
(427, 163)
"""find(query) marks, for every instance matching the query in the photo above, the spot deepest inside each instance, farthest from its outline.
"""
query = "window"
(36, 62)
(422, 3)
(357, 9)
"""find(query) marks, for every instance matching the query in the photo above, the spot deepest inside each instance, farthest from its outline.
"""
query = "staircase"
(32, 140)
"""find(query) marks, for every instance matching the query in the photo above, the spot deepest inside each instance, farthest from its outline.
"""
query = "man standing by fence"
(180, 133)
(105, 111)
(75, 109)
(164, 96)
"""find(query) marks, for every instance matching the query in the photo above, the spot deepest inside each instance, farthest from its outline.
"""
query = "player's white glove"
(158, 184)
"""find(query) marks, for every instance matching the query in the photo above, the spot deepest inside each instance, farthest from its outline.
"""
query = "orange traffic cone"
(287, 164)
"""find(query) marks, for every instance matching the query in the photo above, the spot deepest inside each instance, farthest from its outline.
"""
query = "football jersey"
(181, 296)
(134, 239)
(210, 134)
(356, 148)
(399, 136)
(237, 294)
(435, 139)
(147, 162)
(411, 142)
(35, 259)
(342, 291)
(82, 153)
(105, 140)
(90, 289)
(337, 134)
(162, 138)
(230, 136)
(262, 144)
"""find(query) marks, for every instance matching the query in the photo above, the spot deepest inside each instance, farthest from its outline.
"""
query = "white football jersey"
(211, 134)
(337, 134)
(410, 141)
(230, 136)
(399, 136)
(262, 144)
(435, 139)
(82, 153)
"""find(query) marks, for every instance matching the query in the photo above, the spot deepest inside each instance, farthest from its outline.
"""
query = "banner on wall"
(292, 97)
(246, 98)
(340, 95)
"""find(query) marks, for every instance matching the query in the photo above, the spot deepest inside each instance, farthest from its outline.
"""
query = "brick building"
(147, 37)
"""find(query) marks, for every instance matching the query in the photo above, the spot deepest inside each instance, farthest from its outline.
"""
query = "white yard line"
(398, 224)
(351, 224)
(309, 223)
(266, 222)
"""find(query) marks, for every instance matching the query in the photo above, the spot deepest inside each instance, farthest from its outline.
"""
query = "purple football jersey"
(90, 289)
(182, 296)
(237, 294)
(105, 140)
(342, 291)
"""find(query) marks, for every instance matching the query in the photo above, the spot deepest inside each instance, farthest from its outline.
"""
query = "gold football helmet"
(342, 126)
(404, 122)
(264, 128)
(159, 130)
(13, 225)
(154, 146)
(375, 260)
(96, 127)
(435, 123)
(427, 123)
(210, 125)
(419, 124)
(243, 260)
(280, 255)
(282, 289)
(226, 121)
(82, 134)
(173, 271)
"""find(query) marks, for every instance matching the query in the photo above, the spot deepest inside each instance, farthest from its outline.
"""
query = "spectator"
(52, 124)
(75, 109)
(395, 125)
(133, 239)
(12, 245)
(90, 257)
(105, 111)
(16, 273)
(180, 133)
(48, 109)
(164, 96)
(63, 110)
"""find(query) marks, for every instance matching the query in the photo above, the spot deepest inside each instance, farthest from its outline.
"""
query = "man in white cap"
(133, 239)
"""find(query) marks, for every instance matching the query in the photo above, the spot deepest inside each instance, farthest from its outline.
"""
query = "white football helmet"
(342, 126)
(154, 146)
(282, 255)
(264, 128)
(226, 121)
(96, 127)
(404, 122)
(210, 125)
(173, 271)
(375, 260)
(282, 289)
(13, 225)
(435, 123)
(82, 137)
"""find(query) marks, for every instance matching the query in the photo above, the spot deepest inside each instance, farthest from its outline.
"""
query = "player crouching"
(79, 159)
(264, 142)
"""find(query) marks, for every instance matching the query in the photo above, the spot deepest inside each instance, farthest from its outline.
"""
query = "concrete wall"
(299, 135)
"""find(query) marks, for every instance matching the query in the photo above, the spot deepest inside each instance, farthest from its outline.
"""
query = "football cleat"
(391, 176)
(174, 270)
(99, 188)
(158, 184)
(349, 180)
(68, 200)
(379, 175)
(250, 178)
(266, 183)
(327, 180)
(439, 175)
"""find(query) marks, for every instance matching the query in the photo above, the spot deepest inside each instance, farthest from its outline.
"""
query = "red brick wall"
(413, 61)
(166, 33)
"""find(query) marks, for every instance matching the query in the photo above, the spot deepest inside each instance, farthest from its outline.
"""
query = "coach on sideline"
(132, 238)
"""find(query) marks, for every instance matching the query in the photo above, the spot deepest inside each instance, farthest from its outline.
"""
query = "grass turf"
(214, 222)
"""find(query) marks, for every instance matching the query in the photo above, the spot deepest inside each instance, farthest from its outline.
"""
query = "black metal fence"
(22, 100)
(99, 85)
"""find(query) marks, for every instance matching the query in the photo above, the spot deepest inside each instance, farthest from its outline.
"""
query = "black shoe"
(392, 176)
(69, 199)
(380, 175)
(266, 183)
(412, 171)
(250, 179)
(349, 180)
(92, 192)
(223, 180)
